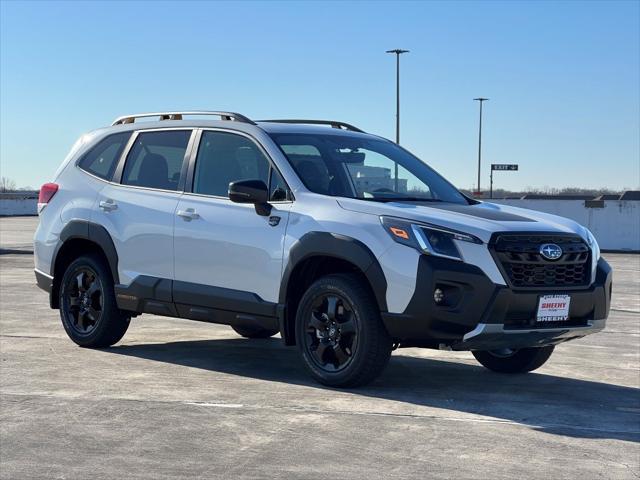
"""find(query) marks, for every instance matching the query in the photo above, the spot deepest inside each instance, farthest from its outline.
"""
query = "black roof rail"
(230, 116)
(332, 123)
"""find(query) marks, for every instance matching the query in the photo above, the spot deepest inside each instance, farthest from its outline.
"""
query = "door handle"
(188, 214)
(108, 205)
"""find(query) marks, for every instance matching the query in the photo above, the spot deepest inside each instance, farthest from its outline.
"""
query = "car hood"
(481, 219)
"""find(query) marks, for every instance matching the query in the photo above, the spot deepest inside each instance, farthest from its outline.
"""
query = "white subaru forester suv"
(341, 241)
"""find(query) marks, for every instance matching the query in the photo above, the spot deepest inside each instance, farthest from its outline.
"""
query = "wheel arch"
(77, 238)
(321, 253)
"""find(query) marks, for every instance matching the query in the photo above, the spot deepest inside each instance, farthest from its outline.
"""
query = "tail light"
(47, 191)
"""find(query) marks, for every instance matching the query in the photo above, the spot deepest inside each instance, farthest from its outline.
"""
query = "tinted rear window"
(155, 160)
(102, 159)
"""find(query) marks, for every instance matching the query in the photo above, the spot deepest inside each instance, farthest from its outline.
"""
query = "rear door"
(138, 208)
(227, 256)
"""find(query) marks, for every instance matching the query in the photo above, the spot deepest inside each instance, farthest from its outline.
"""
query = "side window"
(278, 190)
(224, 158)
(155, 160)
(102, 159)
(311, 168)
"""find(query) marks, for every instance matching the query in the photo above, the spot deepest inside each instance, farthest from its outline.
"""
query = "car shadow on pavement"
(552, 404)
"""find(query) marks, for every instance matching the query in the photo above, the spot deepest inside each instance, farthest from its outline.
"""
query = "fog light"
(438, 296)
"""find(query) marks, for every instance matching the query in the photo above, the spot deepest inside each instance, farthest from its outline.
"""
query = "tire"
(517, 361)
(254, 332)
(339, 332)
(88, 308)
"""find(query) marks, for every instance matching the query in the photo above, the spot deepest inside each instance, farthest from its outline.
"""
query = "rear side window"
(155, 160)
(224, 158)
(102, 159)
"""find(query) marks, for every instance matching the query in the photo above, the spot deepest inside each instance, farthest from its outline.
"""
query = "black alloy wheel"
(331, 336)
(339, 331)
(88, 307)
(83, 299)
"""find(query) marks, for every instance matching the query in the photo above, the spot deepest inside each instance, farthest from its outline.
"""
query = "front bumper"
(480, 315)
(493, 336)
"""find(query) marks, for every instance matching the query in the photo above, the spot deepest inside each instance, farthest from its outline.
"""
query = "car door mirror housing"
(248, 191)
(251, 191)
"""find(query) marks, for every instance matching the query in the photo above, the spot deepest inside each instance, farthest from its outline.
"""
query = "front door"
(227, 256)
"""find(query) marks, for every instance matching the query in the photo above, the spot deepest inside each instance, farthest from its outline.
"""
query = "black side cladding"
(83, 230)
(162, 296)
(341, 247)
(95, 233)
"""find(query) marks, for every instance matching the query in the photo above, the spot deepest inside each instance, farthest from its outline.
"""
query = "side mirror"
(251, 191)
(248, 191)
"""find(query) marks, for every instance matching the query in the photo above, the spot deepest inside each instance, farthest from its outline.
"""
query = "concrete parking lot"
(181, 399)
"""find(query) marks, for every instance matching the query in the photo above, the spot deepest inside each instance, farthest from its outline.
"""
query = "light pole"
(397, 52)
(481, 100)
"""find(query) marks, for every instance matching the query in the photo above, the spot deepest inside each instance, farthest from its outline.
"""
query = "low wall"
(614, 223)
(18, 204)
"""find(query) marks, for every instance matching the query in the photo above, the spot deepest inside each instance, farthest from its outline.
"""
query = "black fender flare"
(338, 246)
(83, 229)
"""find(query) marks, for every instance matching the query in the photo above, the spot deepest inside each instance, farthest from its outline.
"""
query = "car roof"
(265, 126)
(237, 121)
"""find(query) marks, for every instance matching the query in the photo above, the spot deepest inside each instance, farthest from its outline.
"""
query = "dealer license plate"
(553, 308)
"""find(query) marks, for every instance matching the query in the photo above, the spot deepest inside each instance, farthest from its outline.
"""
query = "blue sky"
(563, 78)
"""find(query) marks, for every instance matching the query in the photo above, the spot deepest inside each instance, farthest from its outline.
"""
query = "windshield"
(365, 168)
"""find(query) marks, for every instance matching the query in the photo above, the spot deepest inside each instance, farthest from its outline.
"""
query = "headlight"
(593, 244)
(426, 238)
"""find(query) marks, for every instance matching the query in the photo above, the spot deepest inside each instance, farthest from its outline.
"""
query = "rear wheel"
(514, 361)
(339, 332)
(88, 306)
(254, 332)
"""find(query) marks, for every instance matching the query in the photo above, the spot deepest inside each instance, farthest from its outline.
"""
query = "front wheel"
(514, 361)
(339, 332)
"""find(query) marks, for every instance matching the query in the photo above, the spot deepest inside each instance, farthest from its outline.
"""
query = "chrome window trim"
(151, 189)
(82, 170)
(218, 197)
(114, 184)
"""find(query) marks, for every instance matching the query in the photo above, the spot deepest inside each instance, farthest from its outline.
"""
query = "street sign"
(504, 166)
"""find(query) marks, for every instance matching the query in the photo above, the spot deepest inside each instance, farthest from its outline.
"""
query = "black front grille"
(520, 259)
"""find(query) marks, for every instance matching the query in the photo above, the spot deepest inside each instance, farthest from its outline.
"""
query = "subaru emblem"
(550, 251)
